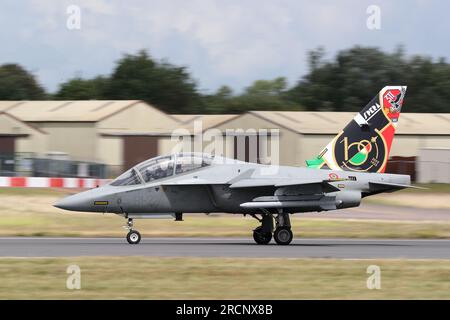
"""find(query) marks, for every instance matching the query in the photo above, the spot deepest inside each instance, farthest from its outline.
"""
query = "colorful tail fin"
(365, 142)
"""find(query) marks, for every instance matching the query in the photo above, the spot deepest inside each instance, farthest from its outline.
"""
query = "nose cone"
(74, 203)
(94, 200)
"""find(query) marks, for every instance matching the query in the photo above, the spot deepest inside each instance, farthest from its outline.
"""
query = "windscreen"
(127, 178)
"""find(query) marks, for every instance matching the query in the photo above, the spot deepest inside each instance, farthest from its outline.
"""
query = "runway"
(225, 247)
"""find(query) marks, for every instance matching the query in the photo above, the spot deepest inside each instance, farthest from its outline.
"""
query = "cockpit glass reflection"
(156, 169)
(191, 161)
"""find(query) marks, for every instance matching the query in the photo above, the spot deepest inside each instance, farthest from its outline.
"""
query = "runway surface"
(221, 247)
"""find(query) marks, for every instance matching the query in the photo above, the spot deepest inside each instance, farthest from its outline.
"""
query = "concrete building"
(19, 136)
(433, 165)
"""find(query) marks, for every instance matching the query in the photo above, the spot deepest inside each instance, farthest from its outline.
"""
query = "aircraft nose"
(75, 202)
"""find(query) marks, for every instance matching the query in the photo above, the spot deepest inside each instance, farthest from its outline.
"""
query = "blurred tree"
(224, 92)
(265, 95)
(267, 87)
(16, 83)
(83, 89)
(218, 102)
(349, 81)
(261, 95)
(345, 83)
(168, 87)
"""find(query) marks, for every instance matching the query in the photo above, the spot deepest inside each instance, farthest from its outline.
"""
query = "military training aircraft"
(348, 169)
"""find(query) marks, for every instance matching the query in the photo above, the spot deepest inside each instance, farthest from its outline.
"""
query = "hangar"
(116, 133)
(16, 136)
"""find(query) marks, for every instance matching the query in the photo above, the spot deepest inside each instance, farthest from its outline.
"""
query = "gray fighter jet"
(348, 169)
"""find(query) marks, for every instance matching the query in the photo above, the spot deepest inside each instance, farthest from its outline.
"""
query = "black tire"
(133, 237)
(261, 237)
(283, 236)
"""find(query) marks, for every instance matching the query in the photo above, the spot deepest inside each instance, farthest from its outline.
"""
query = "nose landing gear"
(263, 233)
(133, 236)
(260, 236)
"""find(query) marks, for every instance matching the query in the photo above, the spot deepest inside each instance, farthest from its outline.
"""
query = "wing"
(304, 184)
(290, 193)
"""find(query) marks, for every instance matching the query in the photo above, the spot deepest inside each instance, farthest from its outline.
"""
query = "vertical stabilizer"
(365, 143)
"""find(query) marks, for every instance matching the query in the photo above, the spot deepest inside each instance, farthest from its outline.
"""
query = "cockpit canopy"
(163, 167)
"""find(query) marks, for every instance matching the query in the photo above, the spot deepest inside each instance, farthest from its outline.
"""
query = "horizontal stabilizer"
(390, 187)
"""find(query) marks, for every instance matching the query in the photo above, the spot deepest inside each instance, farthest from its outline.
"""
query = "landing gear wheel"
(133, 237)
(283, 236)
(260, 236)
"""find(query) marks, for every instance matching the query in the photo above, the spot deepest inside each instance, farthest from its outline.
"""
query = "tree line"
(344, 83)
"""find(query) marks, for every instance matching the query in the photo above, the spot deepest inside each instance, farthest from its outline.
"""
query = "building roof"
(303, 122)
(308, 122)
(207, 120)
(20, 127)
(185, 118)
(127, 132)
(73, 111)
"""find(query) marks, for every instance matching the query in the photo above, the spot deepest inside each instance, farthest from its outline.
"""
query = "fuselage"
(207, 189)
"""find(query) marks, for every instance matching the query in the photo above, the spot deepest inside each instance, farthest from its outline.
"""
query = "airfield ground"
(222, 278)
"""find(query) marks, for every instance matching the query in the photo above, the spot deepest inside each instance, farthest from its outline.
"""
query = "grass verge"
(222, 278)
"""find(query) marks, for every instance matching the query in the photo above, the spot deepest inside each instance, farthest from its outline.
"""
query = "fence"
(25, 164)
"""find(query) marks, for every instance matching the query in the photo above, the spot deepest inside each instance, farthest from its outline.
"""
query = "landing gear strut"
(283, 233)
(133, 236)
(263, 233)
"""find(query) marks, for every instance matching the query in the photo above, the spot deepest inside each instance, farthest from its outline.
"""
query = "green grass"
(59, 192)
(222, 278)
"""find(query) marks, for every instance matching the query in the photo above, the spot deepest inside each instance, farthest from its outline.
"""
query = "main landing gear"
(133, 236)
(283, 234)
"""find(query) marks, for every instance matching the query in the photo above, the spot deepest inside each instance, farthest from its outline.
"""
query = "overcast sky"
(221, 42)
